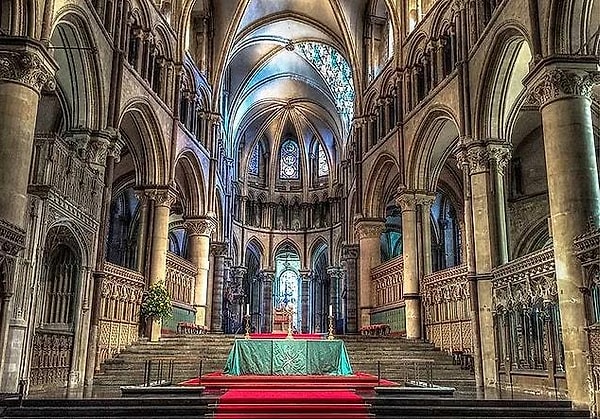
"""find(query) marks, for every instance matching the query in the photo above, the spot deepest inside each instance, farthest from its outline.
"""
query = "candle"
(247, 309)
(330, 310)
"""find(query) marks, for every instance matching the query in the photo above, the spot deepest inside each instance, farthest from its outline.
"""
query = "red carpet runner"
(290, 403)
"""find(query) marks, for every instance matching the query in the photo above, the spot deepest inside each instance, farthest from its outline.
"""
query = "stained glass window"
(323, 166)
(289, 160)
(253, 164)
(335, 70)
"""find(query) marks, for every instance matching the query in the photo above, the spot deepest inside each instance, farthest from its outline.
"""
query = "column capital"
(350, 251)
(406, 200)
(27, 62)
(162, 197)
(368, 228)
(425, 200)
(555, 83)
(238, 272)
(475, 157)
(305, 274)
(200, 226)
(335, 272)
(267, 275)
(219, 249)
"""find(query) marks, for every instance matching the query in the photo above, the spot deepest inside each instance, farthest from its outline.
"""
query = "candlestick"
(247, 321)
(330, 335)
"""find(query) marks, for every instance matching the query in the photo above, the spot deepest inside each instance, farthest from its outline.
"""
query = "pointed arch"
(434, 141)
(189, 178)
(383, 180)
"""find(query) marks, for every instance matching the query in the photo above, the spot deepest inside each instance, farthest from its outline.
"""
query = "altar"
(288, 357)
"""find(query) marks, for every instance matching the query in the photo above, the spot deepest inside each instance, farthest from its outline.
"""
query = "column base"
(201, 315)
(155, 329)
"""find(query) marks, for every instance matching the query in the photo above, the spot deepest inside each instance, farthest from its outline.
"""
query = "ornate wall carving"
(386, 283)
(122, 291)
(180, 279)
(447, 304)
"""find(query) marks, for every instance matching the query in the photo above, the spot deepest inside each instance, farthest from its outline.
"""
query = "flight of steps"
(187, 351)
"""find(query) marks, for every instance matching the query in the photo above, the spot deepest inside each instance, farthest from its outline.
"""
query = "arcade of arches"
(430, 165)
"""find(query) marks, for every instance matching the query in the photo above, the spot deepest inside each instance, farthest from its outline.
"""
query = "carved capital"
(27, 63)
(306, 274)
(161, 197)
(406, 200)
(267, 275)
(558, 83)
(501, 155)
(238, 272)
(425, 201)
(335, 272)
(97, 150)
(350, 251)
(369, 228)
(219, 249)
(201, 226)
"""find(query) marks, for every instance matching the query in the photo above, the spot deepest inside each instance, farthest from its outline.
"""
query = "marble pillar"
(407, 202)
(25, 68)
(483, 162)
(199, 230)
(350, 254)
(219, 250)
(368, 231)
(267, 276)
(163, 199)
(563, 91)
(308, 302)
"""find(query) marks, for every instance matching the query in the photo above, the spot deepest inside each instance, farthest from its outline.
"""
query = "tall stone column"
(484, 161)
(308, 301)
(368, 231)
(425, 202)
(335, 274)
(565, 105)
(25, 68)
(350, 254)
(267, 275)
(199, 230)
(163, 199)
(410, 286)
(219, 250)
(237, 274)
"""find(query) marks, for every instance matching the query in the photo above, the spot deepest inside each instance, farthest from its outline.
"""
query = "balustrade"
(386, 283)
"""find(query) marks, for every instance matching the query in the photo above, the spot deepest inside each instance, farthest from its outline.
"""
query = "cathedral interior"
(430, 165)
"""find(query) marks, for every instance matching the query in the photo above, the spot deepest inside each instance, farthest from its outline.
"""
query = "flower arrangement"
(156, 302)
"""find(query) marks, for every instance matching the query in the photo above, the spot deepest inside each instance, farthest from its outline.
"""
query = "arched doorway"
(287, 286)
(53, 338)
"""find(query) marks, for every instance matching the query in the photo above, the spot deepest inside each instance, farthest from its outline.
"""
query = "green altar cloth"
(288, 357)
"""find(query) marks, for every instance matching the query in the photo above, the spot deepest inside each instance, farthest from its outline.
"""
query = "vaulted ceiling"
(275, 78)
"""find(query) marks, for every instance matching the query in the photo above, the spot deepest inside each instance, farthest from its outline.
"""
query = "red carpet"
(313, 403)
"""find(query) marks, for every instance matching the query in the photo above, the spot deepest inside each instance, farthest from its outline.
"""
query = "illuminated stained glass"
(289, 160)
(323, 166)
(253, 164)
(335, 70)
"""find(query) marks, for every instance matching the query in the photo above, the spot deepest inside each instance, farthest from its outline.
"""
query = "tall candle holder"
(290, 317)
(330, 335)
(247, 326)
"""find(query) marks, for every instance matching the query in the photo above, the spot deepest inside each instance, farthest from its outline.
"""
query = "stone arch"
(572, 24)
(78, 76)
(255, 246)
(143, 137)
(506, 64)
(316, 247)
(383, 179)
(189, 178)
(436, 136)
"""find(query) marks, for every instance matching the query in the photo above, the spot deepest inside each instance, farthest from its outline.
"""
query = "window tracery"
(336, 72)
(253, 164)
(322, 159)
(289, 167)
